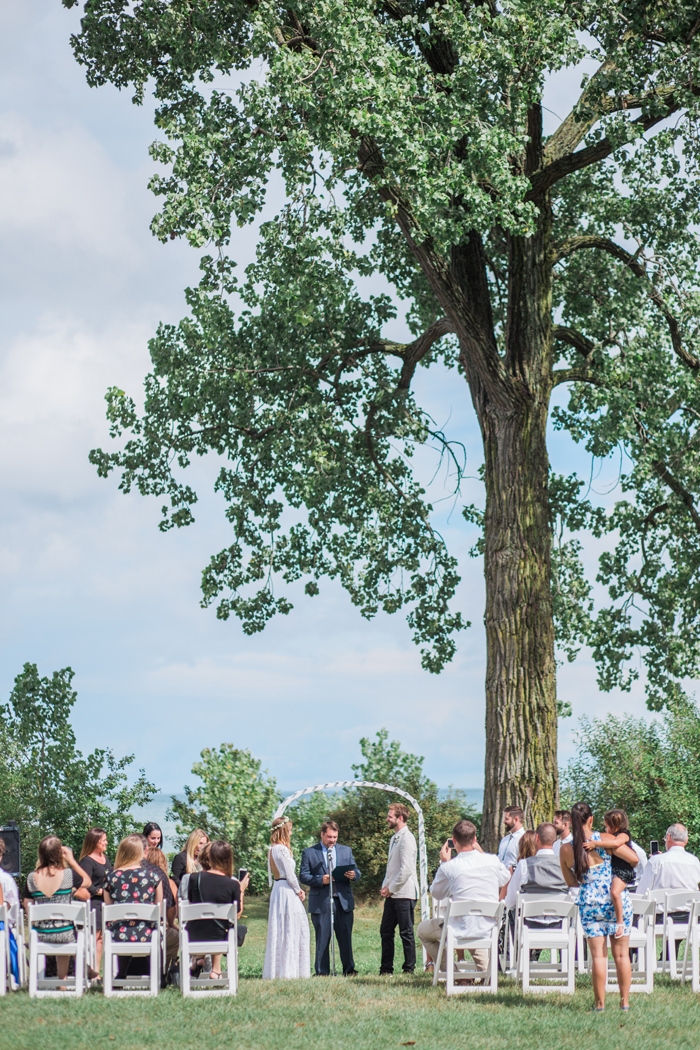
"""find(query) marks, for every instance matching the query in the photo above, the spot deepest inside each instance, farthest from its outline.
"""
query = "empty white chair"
(113, 949)
(677, 901)
(452, 940)
(643, 941)
(55, 987)
(559, 973)
(228, 983)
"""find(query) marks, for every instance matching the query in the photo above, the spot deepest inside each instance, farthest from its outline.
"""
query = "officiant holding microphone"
(319, 863)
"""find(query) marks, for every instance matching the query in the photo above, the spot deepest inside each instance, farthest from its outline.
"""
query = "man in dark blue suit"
(315, 864)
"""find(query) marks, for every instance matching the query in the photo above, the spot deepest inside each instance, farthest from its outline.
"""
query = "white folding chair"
(643, 941)
(692, 945)
(21, 949)
(451, 940)
(91, 937)
(148, 984)
(559, 973)
(4, 949)
(55, 987)
(194, 987)
(683, 901)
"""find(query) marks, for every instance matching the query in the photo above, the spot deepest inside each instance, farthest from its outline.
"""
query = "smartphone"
(450, 844)
(653, 847)
(242, 872)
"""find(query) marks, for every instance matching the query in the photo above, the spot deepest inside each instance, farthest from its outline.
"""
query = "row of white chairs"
(564, 939)
(84, 952)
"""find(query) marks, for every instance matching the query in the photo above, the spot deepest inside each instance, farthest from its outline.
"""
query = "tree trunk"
(521, 710)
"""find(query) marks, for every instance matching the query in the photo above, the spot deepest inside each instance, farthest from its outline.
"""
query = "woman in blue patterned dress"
(589, 867)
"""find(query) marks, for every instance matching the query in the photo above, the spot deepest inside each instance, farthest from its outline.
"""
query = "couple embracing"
(287, 953)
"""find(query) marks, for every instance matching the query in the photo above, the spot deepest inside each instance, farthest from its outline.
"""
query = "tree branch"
(637, 268)
(573, 338)
(574, 375)
(662, 471)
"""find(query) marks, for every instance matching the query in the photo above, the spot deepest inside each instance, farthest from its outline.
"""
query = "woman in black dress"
(96, 864)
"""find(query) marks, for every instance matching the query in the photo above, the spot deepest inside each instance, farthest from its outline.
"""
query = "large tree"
(407, 138)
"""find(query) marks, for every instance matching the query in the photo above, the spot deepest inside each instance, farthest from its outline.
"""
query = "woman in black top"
(186, 862)
(96, 864)
(215, 886)
(154, 834)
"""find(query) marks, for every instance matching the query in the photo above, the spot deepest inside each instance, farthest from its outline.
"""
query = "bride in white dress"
(287, 952)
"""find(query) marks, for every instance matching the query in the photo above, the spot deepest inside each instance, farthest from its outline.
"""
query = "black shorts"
(625, 873)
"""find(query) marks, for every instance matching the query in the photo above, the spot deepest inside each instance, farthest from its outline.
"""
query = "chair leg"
(184, 965)
(107, 964)
(449, 964)
(525, 955)
(79, 963)
(33, 965)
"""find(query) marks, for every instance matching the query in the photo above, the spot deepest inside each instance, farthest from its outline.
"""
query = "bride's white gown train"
(287, 952)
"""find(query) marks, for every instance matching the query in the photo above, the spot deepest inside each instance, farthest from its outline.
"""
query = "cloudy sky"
(86, 578)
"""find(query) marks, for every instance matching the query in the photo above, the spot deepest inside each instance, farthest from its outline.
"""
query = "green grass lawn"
(362, 1013)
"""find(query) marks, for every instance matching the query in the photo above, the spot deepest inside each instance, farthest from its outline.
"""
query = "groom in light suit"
(400, 892)
(316, 861)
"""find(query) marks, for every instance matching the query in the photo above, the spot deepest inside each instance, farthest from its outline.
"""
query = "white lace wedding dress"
(287, 953)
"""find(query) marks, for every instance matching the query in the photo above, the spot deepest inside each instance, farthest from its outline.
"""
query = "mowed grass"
(362, 1013)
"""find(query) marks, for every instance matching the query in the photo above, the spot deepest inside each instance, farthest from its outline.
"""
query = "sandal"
(619, 926)
(214, 975)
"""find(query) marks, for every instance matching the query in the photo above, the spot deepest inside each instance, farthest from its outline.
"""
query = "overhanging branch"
(631, 261)
(573, 338)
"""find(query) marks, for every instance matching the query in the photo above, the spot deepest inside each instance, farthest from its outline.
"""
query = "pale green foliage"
(235, 802)
(652, 770)
(400, 132)
(46, 784)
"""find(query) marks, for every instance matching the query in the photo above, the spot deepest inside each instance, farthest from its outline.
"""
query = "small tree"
(46, 783)
(650, 770)
(361, 814)
(235, 802)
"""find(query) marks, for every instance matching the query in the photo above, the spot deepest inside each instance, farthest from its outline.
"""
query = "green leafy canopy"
(401, 131)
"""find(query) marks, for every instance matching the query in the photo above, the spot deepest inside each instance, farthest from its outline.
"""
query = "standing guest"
(55, 880)
(513, 818)
(186, 862)
(287, 953)
(470, 875)
(316, 863)
(215, 885)
(96, 864)
(584, 863)
(132, 882)
(400, 892)
(153, 833)
(562, 822)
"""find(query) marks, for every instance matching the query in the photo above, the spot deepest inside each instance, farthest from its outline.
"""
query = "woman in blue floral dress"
(588, 867)
(132, 882)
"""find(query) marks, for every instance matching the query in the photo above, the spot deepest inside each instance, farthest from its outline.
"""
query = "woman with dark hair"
(55, 879)
(584, 863)
(153, 833)
(214, 885)
(97, 866)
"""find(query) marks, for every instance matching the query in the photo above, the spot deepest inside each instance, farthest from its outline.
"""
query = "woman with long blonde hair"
(287, 953)
(186, 862)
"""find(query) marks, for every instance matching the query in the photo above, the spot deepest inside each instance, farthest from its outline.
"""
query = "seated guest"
(562, 822)
(540, 875)
(55, 880)
(186, 862)
(132, 882)
(215, 886)
(154, 835)
(96, 864)
(527, 847)
(676, 869)
(9, 889)
(158, 863)
(470, 876)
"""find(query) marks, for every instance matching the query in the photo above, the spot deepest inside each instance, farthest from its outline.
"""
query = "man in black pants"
(400, 892)
(316, 861)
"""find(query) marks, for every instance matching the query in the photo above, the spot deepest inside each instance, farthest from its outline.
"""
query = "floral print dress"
(131, 886)
(595, 903)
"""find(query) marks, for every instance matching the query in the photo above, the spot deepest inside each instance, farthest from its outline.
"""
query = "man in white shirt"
(676, 869)
(400, 892)
(562, 822)
(513, 818)
(470, 876)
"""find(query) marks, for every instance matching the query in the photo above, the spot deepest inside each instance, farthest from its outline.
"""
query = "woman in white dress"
(287, 952)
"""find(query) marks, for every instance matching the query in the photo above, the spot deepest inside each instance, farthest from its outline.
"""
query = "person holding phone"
(400, 892)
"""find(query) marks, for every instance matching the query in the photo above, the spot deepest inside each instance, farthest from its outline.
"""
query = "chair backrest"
(487, 909)
(642, 905)
(225, 912)
(545, 907)
(74, 913)
(681, 900)
(138, 912)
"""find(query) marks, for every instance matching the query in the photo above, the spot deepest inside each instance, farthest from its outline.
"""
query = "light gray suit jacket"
(400, 878)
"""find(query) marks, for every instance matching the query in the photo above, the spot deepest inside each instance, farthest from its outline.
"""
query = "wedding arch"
(422, 854)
